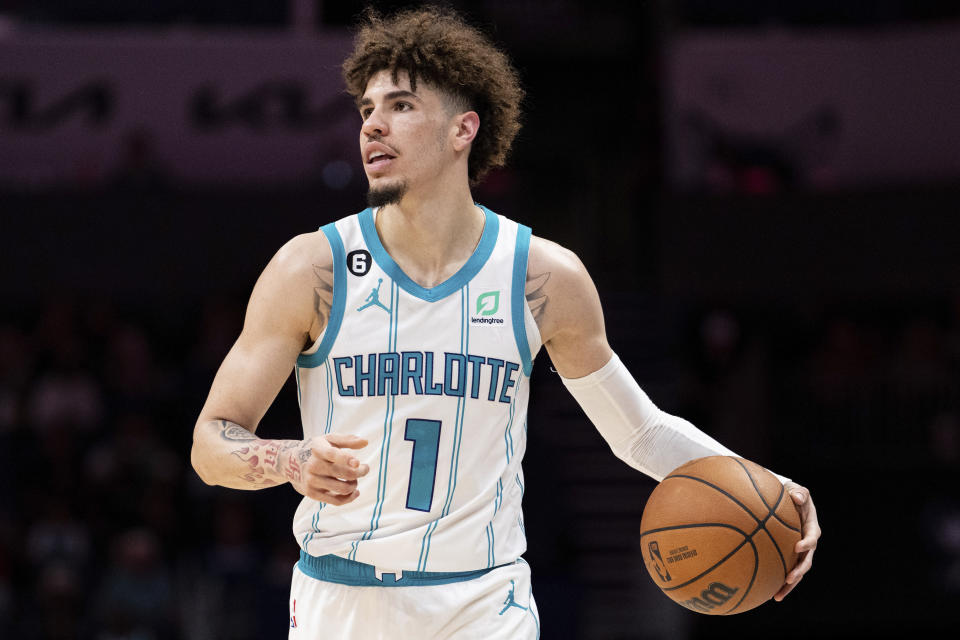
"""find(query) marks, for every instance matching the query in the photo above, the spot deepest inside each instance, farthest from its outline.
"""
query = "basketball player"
(411, 328)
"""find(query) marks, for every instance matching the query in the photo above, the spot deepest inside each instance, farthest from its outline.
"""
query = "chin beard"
(390, 194)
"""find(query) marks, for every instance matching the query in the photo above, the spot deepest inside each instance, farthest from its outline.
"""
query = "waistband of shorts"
(331, 568)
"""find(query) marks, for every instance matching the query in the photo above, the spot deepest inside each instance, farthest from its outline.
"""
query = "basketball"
(718, 535)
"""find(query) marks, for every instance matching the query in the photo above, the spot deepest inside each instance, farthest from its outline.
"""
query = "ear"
(467, 125)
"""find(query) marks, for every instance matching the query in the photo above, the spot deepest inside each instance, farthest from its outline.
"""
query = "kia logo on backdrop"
(21, 105)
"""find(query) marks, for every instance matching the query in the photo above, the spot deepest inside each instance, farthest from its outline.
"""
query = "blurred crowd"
(106, 532)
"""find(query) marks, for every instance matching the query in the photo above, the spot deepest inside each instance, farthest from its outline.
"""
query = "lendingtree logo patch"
(488, 303)
(487, 309)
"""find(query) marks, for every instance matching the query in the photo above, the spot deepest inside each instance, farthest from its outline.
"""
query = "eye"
(403, 106)
(365, 112)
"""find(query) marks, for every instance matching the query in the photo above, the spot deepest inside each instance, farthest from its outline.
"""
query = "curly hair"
(438, 47)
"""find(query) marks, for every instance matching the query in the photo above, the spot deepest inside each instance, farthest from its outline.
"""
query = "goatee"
(390, 194)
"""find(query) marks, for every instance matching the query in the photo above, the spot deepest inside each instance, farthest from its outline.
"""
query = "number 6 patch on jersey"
(358, 262)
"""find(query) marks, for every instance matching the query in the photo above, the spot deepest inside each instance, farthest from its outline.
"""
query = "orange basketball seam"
(783, 561)
(694, 525)
(771, 511)
(713, 486)
(786, 524)
(754, 483)
(756, 567)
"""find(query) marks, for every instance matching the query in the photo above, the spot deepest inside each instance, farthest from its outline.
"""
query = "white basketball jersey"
(437, 380)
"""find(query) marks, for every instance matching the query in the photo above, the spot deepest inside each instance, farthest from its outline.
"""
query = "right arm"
(288, 308)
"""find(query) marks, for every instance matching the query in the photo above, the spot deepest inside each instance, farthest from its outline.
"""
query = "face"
(405, 140)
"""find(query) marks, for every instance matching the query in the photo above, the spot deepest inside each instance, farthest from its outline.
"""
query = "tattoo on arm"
(233, 431)
(323, 292)
(262, 457)
(536, 298)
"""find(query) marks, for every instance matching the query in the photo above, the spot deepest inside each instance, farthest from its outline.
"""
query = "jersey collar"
(455, 282)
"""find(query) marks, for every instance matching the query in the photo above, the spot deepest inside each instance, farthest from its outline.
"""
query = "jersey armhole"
(329, 335)
(518, 300)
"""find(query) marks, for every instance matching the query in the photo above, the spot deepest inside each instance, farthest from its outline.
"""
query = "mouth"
(379, 160)
(378, 156)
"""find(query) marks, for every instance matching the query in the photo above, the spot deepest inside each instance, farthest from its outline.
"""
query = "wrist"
(293, 456)
(274, 457)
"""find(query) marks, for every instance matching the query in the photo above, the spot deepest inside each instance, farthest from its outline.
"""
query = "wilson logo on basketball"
(715, 595)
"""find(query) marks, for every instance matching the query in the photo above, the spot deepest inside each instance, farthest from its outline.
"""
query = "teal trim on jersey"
(488, 240)
(491, 541)
(518, 300)
(457, 434)
(314, 523)
(507, 434)
(329, 424)
(520, 484)
(536, 618)
(391, 398)
(486, 530)
(339, 299)
(493, 546)
(296, 372)
(331, 568)
(387, 427)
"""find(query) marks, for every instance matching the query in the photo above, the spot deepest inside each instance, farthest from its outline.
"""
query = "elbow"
(197, 461)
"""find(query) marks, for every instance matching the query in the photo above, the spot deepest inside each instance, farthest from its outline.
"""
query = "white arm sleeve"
(638, 432)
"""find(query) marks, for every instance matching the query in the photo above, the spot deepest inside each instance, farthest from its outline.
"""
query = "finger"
(334, 499)
(346, 465)
(804, 564)
(809, 540)
(784, 590)
(810, 528)
(346, 441)
(319, 469)
(799, 494)
(334, 485)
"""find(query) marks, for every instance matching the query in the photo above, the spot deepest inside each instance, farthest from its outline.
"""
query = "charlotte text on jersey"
(413, 372)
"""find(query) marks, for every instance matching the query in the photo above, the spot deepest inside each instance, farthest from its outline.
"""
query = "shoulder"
(301, 253)
(563, 265)
(559, 290)
(564, 301)
(290, 289)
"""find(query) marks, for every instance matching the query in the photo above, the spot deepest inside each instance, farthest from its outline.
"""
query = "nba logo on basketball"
(657, 561)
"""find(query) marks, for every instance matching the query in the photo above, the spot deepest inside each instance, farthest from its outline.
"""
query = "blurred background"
(766, 194)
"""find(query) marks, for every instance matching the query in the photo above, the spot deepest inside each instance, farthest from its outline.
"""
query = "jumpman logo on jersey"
(374, 298)
(510, 602)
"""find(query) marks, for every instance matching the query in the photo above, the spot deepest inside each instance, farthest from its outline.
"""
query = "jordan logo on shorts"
(510, 602)
(373, 300)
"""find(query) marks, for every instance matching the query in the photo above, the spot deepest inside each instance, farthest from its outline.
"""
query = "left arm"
(567, 308)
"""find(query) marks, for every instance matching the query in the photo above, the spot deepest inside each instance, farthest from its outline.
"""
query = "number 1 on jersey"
(425, 435)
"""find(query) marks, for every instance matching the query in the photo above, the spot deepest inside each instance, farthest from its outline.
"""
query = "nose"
(374, 125)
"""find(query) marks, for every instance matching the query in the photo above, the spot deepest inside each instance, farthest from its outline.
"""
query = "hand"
(324, 469)
(810, 532)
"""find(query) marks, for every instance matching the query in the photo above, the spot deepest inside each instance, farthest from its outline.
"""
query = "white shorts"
(489, 605)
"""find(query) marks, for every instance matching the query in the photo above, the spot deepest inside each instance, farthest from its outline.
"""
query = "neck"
(431, 236)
